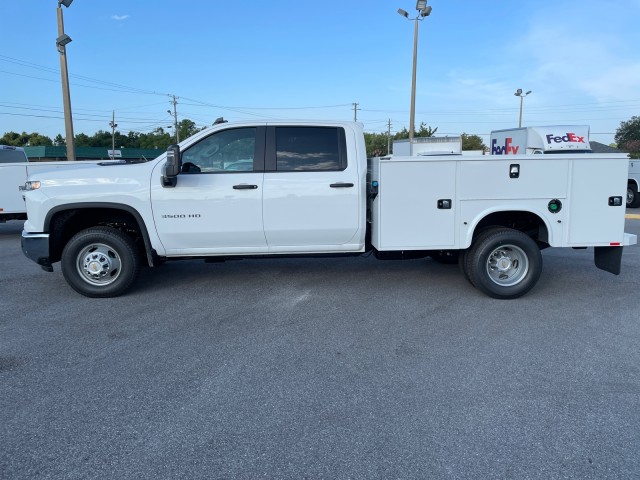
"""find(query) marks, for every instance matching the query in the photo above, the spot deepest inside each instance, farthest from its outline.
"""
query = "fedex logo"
(569, 137)
(505, 149)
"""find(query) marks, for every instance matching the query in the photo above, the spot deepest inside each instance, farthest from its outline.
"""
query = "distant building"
(597, 147)
(53, 154)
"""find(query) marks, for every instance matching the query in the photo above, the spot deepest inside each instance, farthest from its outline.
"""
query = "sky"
(296, 59)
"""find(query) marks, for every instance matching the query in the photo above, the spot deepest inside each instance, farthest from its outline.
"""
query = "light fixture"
(426, 12)
(404, 13)
(421, 5)
(66, 3)
(63, 40)
(521, 95)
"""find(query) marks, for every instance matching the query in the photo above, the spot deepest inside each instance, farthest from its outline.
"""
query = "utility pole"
(113, 126)
(355, 111)
(389, 137)
(175, 117)
(61, 43)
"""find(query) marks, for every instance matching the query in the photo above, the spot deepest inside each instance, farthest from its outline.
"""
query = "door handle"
(341, 185)
(244, 186)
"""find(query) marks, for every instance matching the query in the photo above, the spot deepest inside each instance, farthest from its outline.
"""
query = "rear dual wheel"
(503, 263)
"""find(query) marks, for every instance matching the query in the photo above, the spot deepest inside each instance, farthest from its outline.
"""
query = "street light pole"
(423, 11)
(521, 95)
(412, 113)
(61, 43)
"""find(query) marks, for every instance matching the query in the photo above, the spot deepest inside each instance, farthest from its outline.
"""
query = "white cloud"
(120, 17)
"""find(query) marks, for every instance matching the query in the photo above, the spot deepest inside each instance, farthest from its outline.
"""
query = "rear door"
(311, 190)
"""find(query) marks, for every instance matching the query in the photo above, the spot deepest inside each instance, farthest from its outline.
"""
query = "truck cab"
(271, 188)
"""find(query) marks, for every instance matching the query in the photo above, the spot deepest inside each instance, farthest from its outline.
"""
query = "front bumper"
(35, 246)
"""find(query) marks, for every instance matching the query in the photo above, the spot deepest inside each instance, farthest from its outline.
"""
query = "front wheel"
(100, 262)
(504, 263)
(633, 198)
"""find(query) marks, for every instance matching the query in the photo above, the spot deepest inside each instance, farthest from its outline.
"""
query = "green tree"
(82, 140)
(422, 131)
(35, 140)
(628, 136)
(472, 142)
(25, 139)
(59, 141)
(425, 131)
(156, 139)
(376, 144)
(186, 128)
(11, 138)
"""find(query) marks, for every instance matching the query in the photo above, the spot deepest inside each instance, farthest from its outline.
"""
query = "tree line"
(627, 138)
(159, 138)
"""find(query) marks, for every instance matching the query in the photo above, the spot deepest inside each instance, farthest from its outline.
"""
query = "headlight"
(32, 185)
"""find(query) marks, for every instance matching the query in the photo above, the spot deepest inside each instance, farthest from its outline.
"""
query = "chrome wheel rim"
(629, 196)
(507, 265)
(99, 264)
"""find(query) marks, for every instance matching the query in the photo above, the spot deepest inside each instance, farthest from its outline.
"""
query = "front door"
(216, 206)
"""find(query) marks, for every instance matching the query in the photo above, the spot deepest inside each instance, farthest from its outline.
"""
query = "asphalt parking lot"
(320, 368)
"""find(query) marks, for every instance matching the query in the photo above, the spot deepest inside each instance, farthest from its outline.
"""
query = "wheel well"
(65, 224)
(526, 222)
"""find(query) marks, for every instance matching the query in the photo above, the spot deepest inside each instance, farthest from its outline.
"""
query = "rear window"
(310, 149)
(10, 155)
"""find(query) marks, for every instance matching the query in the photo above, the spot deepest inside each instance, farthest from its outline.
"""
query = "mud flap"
(608, 259)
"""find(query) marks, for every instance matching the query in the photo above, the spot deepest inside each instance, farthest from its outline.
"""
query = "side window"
(226, 151)
(310, 149)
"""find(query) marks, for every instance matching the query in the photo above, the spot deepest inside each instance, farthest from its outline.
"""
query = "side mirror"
(172, 167)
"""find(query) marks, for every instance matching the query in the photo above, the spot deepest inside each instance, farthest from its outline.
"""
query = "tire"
(504, 263)
(633, 199)
(100, 262)
(463, 259)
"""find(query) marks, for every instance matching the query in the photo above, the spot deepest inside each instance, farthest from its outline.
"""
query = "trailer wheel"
(504, 263)
(100, 262)
(633, 199)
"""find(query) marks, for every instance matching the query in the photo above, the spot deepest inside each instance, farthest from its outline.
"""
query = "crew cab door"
(216, 206)
(312, 190)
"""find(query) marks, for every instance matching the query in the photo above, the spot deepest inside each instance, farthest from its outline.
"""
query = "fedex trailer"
(532, 140)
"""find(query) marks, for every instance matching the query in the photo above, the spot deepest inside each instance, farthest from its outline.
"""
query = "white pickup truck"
(300, 188)
(13, 174)
(14, 171)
